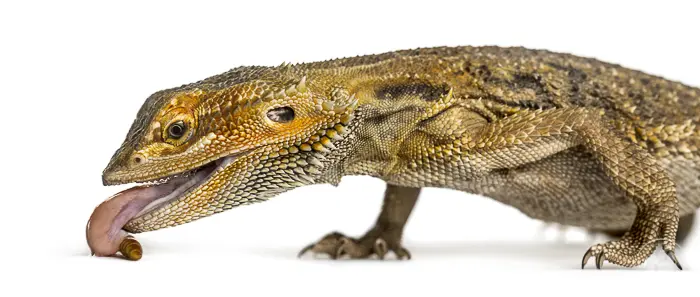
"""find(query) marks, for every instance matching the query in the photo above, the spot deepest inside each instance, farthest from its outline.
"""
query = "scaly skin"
(564, 139)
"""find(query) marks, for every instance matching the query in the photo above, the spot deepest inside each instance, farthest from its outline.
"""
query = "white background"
(73, 75)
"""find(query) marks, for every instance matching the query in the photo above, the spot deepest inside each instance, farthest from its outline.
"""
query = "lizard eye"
(177, 129)
(281, 114)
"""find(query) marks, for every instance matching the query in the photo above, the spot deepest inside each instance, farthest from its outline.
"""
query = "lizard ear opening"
(283, 114)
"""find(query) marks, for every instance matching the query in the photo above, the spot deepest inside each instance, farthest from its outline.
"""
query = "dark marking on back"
(382, 118)
(511, 81)
(424, 91)
(576, 75)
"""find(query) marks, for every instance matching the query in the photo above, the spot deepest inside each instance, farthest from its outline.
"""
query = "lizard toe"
(328, 245)
(596, 251)
(336, 246)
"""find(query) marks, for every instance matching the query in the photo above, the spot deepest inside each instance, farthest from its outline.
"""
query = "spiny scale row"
(291, 90)
(336, 107)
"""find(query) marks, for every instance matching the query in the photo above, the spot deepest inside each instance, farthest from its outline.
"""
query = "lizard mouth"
(105, 228)
(147, 197)
(172, 188)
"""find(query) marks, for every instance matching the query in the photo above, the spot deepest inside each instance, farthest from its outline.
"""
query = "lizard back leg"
(560, 194)
(685, 227)
(643, 180)
(529, 137)
(383, 237)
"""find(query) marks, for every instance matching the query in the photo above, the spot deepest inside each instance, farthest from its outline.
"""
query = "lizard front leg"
(383, 237)
(532, 135)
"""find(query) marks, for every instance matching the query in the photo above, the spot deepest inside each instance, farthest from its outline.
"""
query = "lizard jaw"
(184, 183)
(177, 187)
(107, 222)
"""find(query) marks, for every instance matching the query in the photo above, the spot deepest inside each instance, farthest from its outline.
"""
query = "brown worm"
(130, 248)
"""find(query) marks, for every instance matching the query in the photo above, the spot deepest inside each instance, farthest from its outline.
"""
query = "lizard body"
(562, 138)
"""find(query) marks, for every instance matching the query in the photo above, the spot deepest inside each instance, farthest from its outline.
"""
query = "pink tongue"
(104, 229)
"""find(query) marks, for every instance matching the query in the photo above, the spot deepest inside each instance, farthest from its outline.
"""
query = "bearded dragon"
(562, 138)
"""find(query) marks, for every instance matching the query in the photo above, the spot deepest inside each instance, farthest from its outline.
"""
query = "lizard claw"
(380, 248)
(599, 258)
(402, 253)
(304, 250)
(586, 256)
(672, 255)
(345, 244)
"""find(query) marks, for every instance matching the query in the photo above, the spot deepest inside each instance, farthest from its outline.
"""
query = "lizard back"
(657, 114)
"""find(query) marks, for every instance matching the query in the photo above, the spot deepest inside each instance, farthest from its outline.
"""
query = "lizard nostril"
(137, 159)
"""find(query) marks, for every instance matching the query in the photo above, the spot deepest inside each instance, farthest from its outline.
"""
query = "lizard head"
(232, 139)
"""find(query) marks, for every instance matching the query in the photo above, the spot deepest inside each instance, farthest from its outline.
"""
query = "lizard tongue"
(104, 228)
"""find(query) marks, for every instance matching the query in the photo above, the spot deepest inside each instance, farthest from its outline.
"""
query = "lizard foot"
(685, 228)
(619, 252)
(635, 246)
(337, 245)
